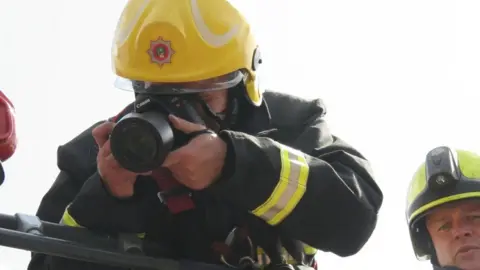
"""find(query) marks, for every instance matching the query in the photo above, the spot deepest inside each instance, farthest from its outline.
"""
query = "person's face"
(217, 100)
(455, 232)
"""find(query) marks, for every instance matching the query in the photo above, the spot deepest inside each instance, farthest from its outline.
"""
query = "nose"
(462, 233)
(462, 230)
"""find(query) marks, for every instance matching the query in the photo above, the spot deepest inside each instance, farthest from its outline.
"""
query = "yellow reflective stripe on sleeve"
(309, 250)
(290, 188)
(68, 220)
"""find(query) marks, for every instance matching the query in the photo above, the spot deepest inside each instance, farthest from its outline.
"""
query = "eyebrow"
(437, 219)
(442, 218)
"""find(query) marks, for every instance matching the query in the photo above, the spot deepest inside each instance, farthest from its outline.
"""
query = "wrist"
(229, 162)
(109, 192)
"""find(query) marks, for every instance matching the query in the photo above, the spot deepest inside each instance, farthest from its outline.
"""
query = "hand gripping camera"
(142, 139)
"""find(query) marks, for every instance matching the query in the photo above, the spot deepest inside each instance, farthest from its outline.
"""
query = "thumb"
(171, 159)
(184, 125)
(102, 132)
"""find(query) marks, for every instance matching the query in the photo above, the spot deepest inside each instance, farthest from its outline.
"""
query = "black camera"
(141, 140)
(441, 168)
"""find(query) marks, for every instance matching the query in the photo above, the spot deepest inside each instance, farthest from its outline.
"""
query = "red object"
(176, 203)
(8, 135)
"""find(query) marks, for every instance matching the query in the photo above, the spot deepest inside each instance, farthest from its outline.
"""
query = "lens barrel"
(140, 142)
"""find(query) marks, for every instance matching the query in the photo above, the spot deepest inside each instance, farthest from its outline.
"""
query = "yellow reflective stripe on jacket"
(290, 188)
(68, 220)
(309, 250)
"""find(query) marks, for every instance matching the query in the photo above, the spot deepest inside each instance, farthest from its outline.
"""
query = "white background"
(398, 77)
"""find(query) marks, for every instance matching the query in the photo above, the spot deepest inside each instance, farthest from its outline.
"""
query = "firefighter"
(443, 209)
(263, 180)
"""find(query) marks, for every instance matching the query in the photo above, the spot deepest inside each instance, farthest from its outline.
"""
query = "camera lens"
(140, 144)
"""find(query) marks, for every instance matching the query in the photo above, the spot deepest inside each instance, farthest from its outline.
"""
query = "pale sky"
(398, 77)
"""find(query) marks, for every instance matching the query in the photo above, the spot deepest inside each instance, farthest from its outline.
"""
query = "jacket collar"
(254, 120)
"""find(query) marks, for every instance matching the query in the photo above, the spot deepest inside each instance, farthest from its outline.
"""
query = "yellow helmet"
(446, 176)
(185, 46)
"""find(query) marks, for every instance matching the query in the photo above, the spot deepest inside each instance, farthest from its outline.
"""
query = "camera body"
(141, 140)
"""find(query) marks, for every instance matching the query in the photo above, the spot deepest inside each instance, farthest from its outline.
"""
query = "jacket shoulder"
(287, 110)
(78, 156)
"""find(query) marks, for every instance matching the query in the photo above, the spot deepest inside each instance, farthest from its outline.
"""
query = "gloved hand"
(8, 136)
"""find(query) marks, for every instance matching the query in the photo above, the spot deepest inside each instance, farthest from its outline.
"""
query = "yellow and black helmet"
(185, 46)
(447, 175)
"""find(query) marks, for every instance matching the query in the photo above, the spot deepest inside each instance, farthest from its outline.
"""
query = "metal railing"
(28, 232)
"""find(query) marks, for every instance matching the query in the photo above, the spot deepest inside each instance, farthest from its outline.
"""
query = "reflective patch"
(290, 187)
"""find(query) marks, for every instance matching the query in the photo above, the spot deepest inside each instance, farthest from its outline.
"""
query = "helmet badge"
(160, 51)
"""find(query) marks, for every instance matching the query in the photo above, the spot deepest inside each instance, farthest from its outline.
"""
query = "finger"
(102, 132)
(106, 149)
(184, 125)
(172, 158)
(112, 162)
(177, 175)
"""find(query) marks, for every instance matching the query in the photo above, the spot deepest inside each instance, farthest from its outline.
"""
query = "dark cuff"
(229, 163)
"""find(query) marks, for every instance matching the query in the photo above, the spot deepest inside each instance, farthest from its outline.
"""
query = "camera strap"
(175, 196)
